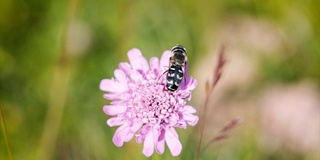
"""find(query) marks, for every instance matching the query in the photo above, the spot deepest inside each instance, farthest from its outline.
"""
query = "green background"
(53, 55)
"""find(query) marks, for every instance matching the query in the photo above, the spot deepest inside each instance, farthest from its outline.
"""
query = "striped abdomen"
(174, 77)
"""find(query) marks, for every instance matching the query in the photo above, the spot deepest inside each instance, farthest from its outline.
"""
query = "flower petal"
(133, 129)
(154, 64)
(186, 69)
(130, 72)
(148, 145)
(142, 134)
(117, 102)
(114, 109)
(116, 121)
(173, 119)
(172, 140)
(117, 140)
(112, 96)
(187, 115)
(164, 61)
(118, 135)
(192, 120)
(110, 85)
(137, 60)
(120, 76)
(188, 84)
(135, 76)
(139, 138)
(189, 109)
(125, 67)
(160, 144)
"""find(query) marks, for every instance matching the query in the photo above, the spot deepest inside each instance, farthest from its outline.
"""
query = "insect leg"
(162, 75)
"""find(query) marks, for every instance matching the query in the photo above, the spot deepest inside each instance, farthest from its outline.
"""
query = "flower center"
(152, 104)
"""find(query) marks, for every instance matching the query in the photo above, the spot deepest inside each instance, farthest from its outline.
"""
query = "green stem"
(58, 92)
(4, 129)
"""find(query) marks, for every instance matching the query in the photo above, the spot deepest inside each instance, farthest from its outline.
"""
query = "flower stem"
(209, 90)
(4, 129)
(58, 93)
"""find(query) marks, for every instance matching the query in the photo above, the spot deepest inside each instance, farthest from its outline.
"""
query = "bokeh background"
(53, 55)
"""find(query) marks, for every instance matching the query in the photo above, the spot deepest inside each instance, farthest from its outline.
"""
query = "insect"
(177, 63)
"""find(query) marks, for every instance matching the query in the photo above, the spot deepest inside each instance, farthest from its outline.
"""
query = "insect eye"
(178, 47)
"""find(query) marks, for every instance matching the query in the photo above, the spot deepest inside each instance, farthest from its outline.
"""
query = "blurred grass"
(33, 36)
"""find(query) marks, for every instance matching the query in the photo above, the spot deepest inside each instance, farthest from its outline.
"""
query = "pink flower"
(142, 106)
